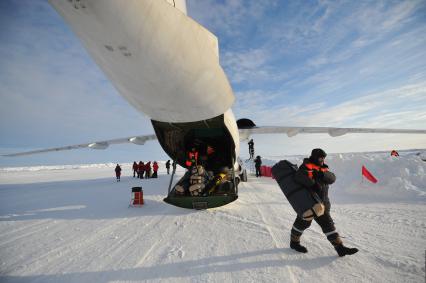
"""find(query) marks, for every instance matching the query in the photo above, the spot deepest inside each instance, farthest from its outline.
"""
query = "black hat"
(317, 153)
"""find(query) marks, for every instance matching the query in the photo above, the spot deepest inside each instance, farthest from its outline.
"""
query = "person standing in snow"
(148, 170)
(118, 172)
(314, 175)
(168, 167)
(135, 169)
(251, 148)
(141, 169)
(155, 168)
(257, 164)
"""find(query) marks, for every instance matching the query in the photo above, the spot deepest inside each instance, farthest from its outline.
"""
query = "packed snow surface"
(73, 224)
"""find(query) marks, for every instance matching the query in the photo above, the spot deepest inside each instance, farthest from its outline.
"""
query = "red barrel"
(137, 196)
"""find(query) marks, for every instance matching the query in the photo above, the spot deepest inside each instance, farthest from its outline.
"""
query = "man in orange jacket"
(192, 158)
(314, 175)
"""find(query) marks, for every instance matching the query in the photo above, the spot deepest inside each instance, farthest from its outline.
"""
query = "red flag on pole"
(368, 175)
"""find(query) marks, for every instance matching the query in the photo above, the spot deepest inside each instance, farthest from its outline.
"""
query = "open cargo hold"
(178, 138)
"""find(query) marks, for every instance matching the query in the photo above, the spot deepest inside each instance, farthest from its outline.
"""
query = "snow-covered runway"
(73, 224)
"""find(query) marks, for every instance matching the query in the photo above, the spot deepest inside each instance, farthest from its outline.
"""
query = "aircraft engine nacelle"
(245, 123)
(98, 145)
(137, 140)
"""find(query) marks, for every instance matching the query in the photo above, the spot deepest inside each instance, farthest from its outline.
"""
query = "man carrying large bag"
(306, 188)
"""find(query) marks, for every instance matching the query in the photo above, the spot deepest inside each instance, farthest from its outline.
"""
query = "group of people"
(205, 155)
(198, 180)
(206, 173)
(143, 170)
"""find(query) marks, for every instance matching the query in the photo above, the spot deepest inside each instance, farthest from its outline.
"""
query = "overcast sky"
(293, 63)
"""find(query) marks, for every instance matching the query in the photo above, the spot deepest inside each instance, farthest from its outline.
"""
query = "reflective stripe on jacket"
(311, 167)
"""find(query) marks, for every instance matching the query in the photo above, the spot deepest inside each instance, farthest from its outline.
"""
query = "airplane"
(166, 65)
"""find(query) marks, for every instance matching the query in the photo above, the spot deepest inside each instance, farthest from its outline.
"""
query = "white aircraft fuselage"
(161, 61)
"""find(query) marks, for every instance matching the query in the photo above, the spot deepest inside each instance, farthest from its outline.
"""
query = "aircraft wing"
(139, 140)
(334, 132)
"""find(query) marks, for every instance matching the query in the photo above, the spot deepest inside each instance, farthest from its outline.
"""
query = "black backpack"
(300, 198)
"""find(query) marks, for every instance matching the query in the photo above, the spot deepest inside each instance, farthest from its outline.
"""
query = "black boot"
(298, 247)
(342, 250)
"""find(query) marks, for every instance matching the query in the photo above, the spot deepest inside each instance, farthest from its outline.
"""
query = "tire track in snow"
(81, 246)
(128, 243)
(277, 242)
(164, 235)
(63, 250)
(90, 247)
(34, 250)
(18, 230)
(223, 214)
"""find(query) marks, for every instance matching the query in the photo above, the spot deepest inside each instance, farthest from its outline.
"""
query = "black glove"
(318, 175)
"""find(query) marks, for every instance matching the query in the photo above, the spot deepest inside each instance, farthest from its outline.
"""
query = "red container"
(262, 170)
(137, 196)
(266, 171)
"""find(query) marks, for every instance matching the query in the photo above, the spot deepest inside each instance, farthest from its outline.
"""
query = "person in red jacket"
(155, 168)
(148, 170)
(192, 158)
(135, 169)
(118, 172)
(394, 153)
(141, 170)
